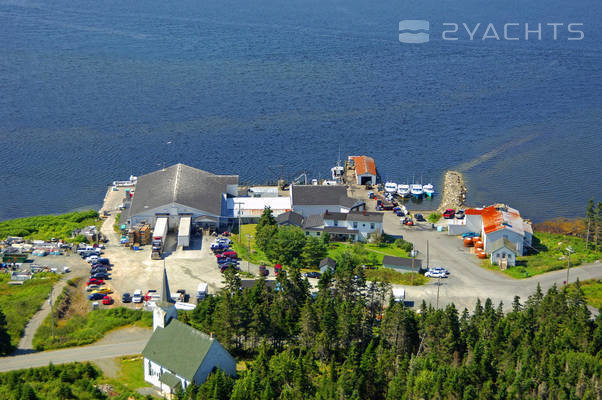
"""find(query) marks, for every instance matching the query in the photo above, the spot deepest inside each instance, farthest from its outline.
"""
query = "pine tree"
(265, 230)
(313, 251)
(590, 221)
(5, 344)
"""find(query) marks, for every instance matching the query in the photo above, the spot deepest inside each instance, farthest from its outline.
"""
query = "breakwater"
(454, 191)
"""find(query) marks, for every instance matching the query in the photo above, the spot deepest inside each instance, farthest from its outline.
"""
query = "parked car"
(107, 300)
(312, 274)
(126, 298)
(101, 275)
(149, 294)
(435, 273)
(94, 281)
(103, 290)
(460, 214)
(449, 213)
(137, 297)
(104, 261)
(92, 288)
(231, 254)
(223, 268)
(263, 271)
(468, 235)
(442, 270)
(95, 296)
(97, 270)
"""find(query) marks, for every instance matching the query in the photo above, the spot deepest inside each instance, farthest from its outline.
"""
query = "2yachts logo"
(416, 31)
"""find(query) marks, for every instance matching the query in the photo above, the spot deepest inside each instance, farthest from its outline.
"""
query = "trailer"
(202, 291)
(184, 231)
(159, 237)
(399, 294)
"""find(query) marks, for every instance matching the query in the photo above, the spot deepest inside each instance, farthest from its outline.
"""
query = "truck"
(159, 238)
(202, 291)
(399, 294)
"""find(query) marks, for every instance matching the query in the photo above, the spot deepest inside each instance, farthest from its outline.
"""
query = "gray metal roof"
(360, 216)
(503, 242)
(328, 261)
(340, 230)
(179, 348)
(181, 184)
(402, 262)
(290, 217)
(306, 195)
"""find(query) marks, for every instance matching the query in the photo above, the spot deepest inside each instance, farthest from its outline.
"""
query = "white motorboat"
(416, 191)
(391, 187)
(403, 190)
(428, 190)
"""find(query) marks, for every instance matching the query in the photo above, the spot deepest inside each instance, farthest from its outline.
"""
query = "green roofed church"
(177, 354)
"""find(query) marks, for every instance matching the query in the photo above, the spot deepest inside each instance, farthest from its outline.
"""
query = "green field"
(20, 302)
(395, 277)
(240, 244)
(552, 256)
(76, 326)
(378, 252)
(46, 227)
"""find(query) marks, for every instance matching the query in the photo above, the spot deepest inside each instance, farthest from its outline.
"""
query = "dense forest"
(349, 343)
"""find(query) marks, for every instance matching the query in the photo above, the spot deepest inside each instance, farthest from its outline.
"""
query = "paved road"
(125, 345)
(468, 280)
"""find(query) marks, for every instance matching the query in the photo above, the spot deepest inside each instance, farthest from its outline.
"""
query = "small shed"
(402, 264)
(327, 264)
(503, 253)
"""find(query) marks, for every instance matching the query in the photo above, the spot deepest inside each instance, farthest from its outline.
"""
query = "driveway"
(118, 343)
(468, 280)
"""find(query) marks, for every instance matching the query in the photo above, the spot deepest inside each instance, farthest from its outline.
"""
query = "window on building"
(336, 223)
(318, 234)
(306, 233)
(355, 224)
(372, 225)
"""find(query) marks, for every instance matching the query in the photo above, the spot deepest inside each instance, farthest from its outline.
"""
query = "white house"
(503, 253)
(317, 199)
(354, 225)
(500, 222)
(365, 170)
(177, 355)
(250, 209)
(182, 190)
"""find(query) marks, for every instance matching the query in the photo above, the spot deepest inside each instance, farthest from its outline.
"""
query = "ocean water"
(93, 91)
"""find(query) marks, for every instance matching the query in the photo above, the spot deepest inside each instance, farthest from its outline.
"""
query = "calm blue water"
(92, 91)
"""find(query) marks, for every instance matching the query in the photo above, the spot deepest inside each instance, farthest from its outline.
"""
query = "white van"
(137, 297)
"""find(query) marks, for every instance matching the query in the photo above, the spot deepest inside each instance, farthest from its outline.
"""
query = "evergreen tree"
(5, 344)
(590, 222)
(265, 230)
(313, 251)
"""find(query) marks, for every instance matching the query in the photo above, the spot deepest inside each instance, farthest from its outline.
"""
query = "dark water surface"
(92, 91)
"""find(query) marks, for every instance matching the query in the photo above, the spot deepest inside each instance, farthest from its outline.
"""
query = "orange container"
(467, 242)
(482, 254)
(478, 243)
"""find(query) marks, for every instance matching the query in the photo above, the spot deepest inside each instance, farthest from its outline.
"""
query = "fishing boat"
(428, 190)
(338, 171)
(391, 187)
(403, 190)
(416, 191)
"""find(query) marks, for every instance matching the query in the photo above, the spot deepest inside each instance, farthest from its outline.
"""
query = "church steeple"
(165, 294)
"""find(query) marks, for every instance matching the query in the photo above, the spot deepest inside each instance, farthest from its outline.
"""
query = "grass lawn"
(45, 227)
(20, 302)
(552, 256)
(593, 291)
(336, 248)
(242, 247)
(76, 325)
(399, 278)
(131, 372)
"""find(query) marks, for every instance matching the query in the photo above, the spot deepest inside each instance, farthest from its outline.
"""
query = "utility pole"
(413, 258)
(427, 254)
(570, 251)
(249, 236)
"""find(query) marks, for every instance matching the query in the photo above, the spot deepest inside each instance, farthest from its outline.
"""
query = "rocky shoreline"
(454, 191)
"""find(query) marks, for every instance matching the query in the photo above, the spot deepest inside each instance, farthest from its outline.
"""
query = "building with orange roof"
(365, 170)
(498, 222)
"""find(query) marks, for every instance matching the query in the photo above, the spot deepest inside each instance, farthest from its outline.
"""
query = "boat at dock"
(391, 187)
(416, 191)
(428, 190)
(403, 190)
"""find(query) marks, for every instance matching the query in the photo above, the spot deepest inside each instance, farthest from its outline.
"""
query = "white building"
(499, 222)
(354, 225)
(503, 253)
(249, 209)
(317, 199)
(177, 355)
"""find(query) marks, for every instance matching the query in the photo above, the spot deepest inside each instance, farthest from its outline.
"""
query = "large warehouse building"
(181, 190)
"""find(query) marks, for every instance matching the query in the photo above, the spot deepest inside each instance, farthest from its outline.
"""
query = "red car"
(95, 281)
(277, 268)
(107, 300)
(449, 213)
(231, 254)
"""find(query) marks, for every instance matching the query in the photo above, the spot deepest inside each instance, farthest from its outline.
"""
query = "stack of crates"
(146, 234)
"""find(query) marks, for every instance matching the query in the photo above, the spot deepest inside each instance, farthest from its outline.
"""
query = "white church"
(177, 354)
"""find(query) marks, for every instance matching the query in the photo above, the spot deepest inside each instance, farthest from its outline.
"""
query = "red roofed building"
(365, 170)
(500, 222)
